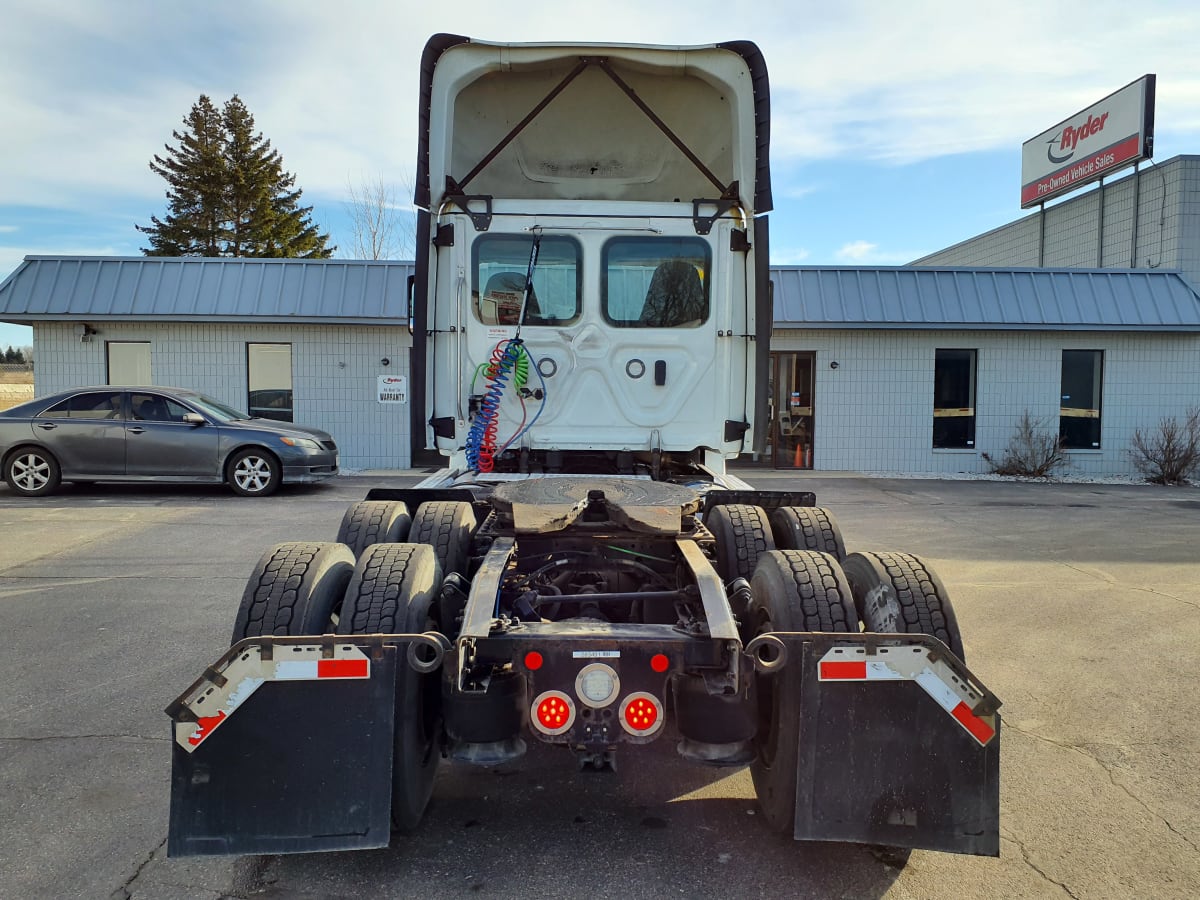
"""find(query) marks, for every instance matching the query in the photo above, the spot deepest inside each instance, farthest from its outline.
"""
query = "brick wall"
(334, 373)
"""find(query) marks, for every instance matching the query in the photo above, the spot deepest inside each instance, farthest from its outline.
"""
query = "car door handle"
(47, 426)
(135, 429)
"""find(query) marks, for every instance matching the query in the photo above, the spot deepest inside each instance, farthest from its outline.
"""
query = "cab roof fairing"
(486, 89)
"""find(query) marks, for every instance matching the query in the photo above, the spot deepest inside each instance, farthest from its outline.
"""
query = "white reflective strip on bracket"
(248, 671)
(296, 670)
(878, 671)
(911, 663)
(938, 690)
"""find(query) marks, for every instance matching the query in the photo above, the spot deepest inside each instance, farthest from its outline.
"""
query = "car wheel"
(254, 473)
(31, 472)
(297, 588)
(394, 591)
(792, 590)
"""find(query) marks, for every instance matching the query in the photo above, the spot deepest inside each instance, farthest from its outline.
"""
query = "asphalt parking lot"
(1079, 605)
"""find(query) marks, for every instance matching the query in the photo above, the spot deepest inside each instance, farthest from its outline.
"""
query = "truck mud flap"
(285, 746)
(899, 744)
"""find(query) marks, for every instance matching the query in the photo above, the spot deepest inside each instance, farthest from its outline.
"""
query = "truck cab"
(605, 208)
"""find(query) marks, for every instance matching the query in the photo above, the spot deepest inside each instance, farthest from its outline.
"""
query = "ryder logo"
(1071, 136)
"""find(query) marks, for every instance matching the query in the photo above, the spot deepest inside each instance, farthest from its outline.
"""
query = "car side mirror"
(194, 419)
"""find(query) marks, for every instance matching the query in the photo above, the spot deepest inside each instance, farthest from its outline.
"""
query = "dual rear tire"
(369, 582)
(808, 590)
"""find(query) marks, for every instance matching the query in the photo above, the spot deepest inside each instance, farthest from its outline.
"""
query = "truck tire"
(897, 593)
(295, 589)
(394, 591)
(446, 526)
(807, 528)
(374, 522)
(743, 535)
(792, 590)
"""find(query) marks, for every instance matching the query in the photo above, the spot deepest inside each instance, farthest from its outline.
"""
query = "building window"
(129, 363)
(269, 369)
(501, 263)
(954, 399)
(1079, 415)
(656, 282)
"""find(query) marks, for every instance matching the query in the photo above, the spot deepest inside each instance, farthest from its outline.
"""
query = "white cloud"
(788, 256)
(868, 254)
(799, 191)
(856, 251)
(9, 229)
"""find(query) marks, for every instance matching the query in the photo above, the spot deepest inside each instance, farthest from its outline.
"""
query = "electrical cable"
(541, 409)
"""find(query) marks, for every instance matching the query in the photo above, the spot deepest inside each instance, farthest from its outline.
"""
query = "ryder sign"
(1107, 136)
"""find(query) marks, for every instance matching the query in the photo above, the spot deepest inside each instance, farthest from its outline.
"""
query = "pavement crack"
(1147, 590)
(1113, 582)
(1112, 778)
(123, 892)
(1029, 862)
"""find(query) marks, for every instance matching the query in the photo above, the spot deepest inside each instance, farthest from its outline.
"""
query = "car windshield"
(215, 408)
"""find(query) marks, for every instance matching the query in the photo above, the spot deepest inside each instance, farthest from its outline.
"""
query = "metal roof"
(205, 290)
(364, 292)
(978, 298)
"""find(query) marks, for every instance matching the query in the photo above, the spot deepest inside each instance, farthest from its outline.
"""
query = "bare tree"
(1033, 450)
(382, 225)
(1169, 454)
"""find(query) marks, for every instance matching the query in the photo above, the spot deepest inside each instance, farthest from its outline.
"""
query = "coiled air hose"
(509, 360)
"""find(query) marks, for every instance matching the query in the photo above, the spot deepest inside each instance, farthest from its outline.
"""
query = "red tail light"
(641, 714)
(553, 712)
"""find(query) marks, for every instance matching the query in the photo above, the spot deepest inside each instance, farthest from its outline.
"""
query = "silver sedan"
(155, 434)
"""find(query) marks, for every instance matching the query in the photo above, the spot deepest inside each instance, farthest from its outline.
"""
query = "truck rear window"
(501, 262)
(656, 282)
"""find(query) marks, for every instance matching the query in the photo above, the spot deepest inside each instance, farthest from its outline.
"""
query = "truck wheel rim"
(252, 473)
(30, 472)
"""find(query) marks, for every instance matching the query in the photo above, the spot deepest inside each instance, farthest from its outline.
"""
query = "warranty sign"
(393, 389)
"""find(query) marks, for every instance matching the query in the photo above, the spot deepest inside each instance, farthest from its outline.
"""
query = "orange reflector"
(641, 714)
(659, 662)
(533, 660)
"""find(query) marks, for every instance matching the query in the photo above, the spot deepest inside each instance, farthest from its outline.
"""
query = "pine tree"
(228, 193)
(196, 176)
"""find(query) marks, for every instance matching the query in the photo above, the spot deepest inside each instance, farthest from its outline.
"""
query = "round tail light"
(553, 713)
(641, 714)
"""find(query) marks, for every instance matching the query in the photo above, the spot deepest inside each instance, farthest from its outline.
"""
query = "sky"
(896, 127)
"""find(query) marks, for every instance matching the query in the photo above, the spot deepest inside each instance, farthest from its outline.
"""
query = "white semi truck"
(591, 321)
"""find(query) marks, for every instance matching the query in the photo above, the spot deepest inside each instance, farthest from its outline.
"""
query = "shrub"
(1034, 450)
(1169, 454)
